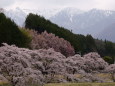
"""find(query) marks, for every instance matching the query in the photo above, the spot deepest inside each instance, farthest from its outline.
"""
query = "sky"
(42, 4)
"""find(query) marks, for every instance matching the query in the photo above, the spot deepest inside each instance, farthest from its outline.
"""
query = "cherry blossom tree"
(94, 62)
(111, 69)
(25, 67)
(48, 40)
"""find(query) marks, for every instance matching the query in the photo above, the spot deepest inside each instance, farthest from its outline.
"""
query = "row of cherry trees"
(25, 66)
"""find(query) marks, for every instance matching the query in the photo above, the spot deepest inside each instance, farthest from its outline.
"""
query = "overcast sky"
(38, 4)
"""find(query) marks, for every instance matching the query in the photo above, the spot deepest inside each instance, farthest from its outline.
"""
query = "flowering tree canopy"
(48, 40)
(23, 65)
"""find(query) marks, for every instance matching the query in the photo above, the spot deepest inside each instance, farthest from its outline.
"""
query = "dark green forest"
(11, 34)
(82, 44)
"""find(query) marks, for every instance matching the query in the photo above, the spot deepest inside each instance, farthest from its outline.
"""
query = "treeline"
(82, 44)
(11, 34)
(106, 49)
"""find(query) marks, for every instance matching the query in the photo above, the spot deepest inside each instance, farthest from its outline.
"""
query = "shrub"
(108, 59)
(94, 62)
(111, 69)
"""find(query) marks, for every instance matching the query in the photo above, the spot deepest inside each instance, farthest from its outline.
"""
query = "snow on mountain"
(47, 13)
(90, 22)
(65, 17)
(70, 12)
(94, 21)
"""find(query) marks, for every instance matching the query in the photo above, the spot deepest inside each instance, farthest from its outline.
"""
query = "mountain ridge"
(108, 33)
(81, 22)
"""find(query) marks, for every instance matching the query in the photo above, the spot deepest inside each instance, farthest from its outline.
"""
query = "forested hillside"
(82, 44)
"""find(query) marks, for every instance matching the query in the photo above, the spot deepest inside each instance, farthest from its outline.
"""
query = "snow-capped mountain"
(47, 13)
(90, 22)
(65, 17)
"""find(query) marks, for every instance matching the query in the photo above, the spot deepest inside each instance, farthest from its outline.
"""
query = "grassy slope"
(81, 84)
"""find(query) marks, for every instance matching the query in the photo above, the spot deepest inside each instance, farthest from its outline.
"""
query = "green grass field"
(81, 84)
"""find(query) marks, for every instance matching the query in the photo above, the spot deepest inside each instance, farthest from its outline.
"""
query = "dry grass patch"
(81, 84)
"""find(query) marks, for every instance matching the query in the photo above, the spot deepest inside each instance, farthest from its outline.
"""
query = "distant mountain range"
(91, 22)
(108, 33)
(98, 23)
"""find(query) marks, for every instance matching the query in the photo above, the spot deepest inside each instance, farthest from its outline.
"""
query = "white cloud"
(105, 4)
(5, 3)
